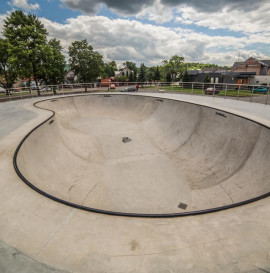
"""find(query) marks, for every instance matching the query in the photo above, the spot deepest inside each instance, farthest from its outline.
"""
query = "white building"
(260, 80)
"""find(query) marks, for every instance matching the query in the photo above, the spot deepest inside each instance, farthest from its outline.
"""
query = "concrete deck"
(236, 240)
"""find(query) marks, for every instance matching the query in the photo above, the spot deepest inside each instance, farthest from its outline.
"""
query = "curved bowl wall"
(180, 159)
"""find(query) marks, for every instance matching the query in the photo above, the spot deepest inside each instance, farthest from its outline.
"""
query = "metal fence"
(251, 93)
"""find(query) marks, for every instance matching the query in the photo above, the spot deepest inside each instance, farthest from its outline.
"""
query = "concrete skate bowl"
(143, 156)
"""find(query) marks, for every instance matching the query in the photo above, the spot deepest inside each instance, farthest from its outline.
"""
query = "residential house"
(70, 77)
(124, 72)
(250, 69)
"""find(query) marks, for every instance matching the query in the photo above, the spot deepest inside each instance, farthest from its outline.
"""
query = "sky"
(150, 31)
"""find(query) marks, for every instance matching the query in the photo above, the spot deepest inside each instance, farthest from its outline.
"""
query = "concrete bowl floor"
(40, 235)
(179, 157)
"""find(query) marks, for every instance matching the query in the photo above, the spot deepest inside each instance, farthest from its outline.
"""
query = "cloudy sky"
(149, 31)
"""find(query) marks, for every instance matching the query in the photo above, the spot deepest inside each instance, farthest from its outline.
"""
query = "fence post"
(251, 98)
(192, 88)
(226, 89)
(267, 96)
(238, 91)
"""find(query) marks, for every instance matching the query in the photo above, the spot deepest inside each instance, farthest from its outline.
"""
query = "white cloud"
(122, 40)
(23, 4)
(131, 40)
(157, 13)
(252, 21)
(235, 15)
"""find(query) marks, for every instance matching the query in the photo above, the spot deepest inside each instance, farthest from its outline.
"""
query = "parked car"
(45, 89)
(112, 86)
(260, 89)
(129, 89)
(211, 91)
(6, 91)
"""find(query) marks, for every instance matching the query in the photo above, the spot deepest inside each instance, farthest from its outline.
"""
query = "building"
(124, 72)
(250, 69)
(70, 77)
(213, 75)
(249, 72)
(260, 80)
(260, 67)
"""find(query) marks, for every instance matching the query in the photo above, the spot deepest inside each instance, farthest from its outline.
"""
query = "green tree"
(7, 71)
(168, 77)
(186, 77)
(55, 64)
(142, 73)
(121, 78)
(157, 74)
(131, 77)
(113, 65)
(132, 66)
(207, 78)
(109, 69)
(84, 61)
(175, 66)
(27, 38)
(150, 73)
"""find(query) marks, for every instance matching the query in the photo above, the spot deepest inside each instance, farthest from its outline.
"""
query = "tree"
(157, 74)
(142, 73)
(186, 77)
(168, 77)
(121, 78)
(177, 65)
(109, 69)
(150, 73)
(86, 63)
(207, 78)
(27, 38)
(132, 66)
(55, 63)
(7, 71)
(131, 77)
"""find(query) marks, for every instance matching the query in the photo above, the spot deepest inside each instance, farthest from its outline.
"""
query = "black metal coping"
(119, 213)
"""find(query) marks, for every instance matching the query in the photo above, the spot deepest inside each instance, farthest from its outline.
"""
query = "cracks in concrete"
(69, 190)
(263, 270)
(89, 193)
(226, 192)
(65, 222)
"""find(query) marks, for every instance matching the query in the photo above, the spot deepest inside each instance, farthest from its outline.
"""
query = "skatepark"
(181, 183)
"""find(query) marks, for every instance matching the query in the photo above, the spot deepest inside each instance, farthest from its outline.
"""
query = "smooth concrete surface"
(13, 114)
(179, 153)
(235, 240)
(13, 261)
